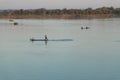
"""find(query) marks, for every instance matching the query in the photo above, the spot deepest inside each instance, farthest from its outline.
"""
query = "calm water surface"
(94, 54)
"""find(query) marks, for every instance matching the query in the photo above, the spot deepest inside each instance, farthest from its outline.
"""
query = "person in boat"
(46, 38)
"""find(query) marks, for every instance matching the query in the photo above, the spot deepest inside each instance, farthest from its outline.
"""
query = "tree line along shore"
(42, 13)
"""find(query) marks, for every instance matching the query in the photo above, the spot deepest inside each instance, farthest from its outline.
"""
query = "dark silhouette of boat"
(32, 39)
(11, 20)
(15, 23)
(85, 27)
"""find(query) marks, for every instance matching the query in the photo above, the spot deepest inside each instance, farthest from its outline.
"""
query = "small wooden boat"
(85, 27)
(51, 39)
(11, 20)
(37, 39)
(15, 23)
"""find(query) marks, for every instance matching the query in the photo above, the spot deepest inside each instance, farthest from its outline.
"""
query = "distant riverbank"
(103, 12)
(64, 16)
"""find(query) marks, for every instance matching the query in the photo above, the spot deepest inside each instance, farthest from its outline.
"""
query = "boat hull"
(51, 40)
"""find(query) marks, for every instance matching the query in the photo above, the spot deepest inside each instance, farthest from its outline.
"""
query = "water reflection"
(46, 42)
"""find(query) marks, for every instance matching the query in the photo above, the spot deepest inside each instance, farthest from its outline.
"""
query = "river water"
(92, 54)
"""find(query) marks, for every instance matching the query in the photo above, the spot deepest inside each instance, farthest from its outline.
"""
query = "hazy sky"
(59, 4)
